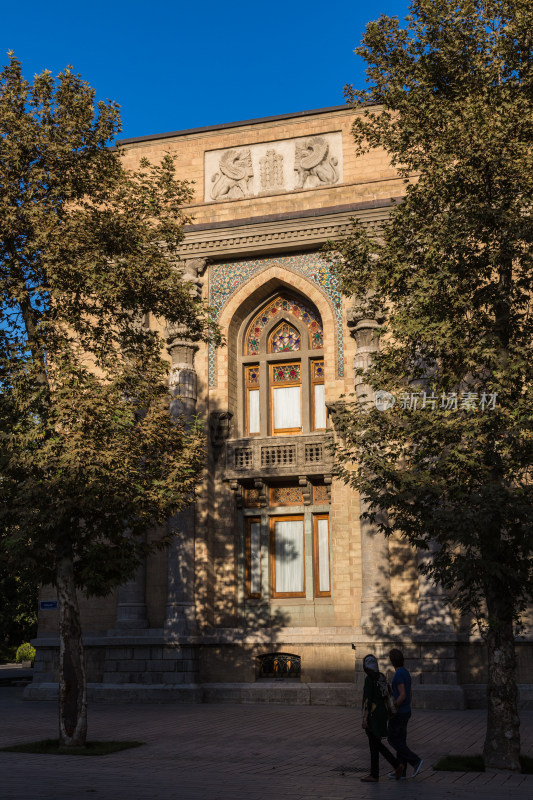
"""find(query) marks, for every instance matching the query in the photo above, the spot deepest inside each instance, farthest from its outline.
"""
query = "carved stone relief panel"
(287, 165)
(234, 178)
(314, 164)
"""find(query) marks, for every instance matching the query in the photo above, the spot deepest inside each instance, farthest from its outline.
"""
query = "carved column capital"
(192, 270)
(179, 336)
(365, 310)
(181, 347)
(365, 331)
(194, 266)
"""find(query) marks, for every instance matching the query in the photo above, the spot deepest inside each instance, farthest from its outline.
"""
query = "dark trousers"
(377, 747)
(397, 738)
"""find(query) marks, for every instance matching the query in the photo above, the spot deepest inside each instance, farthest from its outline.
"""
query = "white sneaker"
(417, 768)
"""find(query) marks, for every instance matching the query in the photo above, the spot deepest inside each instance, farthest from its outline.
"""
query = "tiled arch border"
(227, 278)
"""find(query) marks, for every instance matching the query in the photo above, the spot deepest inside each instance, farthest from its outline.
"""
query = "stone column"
(131, 600)
(377, 615)
(131, 606)
(433, 606)
(180, 616)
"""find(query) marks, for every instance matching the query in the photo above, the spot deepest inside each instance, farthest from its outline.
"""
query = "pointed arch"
(294, 310)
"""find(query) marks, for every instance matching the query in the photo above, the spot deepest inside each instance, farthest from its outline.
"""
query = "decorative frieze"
(271, 234)
(287, 165)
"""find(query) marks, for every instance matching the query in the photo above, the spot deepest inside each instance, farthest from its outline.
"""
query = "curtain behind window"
(287, 408)
(323, 555)
(255, 558)
(253, 411)
(320, 406)
(289, 554)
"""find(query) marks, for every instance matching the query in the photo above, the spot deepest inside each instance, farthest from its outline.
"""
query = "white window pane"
(287, 408)
(289, 538)
(320, 406)
(255, 558)
(323, 555)
(253, 411)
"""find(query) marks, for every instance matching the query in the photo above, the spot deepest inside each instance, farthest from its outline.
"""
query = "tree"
(18, 610)
(451, 101)
(88, 256)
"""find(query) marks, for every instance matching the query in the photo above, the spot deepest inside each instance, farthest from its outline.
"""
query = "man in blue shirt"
(397, 729)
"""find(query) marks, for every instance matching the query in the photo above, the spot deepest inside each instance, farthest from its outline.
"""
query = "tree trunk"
(502, 742)
(72, 679)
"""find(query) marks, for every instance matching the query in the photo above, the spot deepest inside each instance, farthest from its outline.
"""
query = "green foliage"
(18, 609)
(451, 101)
(26, 652)
(51, 747)
(89, 267)
(8, 653)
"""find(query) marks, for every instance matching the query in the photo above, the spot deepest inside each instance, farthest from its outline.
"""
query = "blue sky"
(178, 65)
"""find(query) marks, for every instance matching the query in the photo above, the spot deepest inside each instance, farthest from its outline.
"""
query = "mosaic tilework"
(320, 494)
(286, 496)
(252, 498)
(226, 278)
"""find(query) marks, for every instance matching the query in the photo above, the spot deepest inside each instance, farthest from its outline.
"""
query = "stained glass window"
(288, 305)
(286, 373)
(284, 338)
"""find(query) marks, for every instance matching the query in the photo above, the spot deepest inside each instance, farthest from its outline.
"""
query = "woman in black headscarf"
(375, 716)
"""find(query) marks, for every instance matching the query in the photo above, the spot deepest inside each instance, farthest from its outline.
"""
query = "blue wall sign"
(45, 605)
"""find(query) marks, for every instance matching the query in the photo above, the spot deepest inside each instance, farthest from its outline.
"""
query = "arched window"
(285, 337)
(283, 369)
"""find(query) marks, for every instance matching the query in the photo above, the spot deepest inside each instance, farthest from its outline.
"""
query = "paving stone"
(251, 751)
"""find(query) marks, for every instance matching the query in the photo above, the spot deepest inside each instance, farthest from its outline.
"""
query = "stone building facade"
(274, 578)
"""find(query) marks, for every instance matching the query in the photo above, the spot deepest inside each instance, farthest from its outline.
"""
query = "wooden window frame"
(312, 383)
(249, 594)
(283, 385)
(273, 520)
(316, 563)
(256, 387)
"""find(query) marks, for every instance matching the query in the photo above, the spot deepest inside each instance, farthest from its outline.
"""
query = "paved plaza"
(249, 752)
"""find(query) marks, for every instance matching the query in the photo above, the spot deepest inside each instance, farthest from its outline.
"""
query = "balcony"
(279, 457)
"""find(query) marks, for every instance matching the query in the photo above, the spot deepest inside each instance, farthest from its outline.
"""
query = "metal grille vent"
(279, 666)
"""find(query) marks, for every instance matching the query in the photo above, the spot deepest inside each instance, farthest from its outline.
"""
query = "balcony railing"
(275, 456)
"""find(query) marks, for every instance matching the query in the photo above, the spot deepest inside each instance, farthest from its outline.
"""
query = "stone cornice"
(279, 233)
